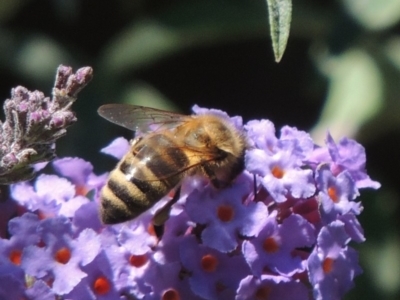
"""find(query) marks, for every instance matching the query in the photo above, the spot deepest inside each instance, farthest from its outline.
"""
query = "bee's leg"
(162, 215)
(159, 230)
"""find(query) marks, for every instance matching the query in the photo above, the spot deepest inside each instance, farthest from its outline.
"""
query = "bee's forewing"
(136, 117)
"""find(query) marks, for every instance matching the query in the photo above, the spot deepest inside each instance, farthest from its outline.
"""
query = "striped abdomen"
(150, 169)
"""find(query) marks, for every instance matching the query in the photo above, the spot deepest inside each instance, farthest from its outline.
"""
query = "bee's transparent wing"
(141, 118)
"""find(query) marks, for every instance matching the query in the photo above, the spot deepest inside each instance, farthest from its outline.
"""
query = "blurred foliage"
(340, 71)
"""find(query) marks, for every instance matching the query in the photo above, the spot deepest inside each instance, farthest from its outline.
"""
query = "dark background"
(340, 71)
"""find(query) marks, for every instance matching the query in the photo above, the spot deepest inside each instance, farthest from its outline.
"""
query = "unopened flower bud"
(33, 120)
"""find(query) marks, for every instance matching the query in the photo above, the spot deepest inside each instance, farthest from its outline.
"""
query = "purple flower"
(167, 282)
(261, 134)
(273, 250)
(128, 270)
(280, 162)
(12, 281)
(62, 256)
(23, 231)
(213, 275)
(225, 215)
(350, 155)
(297, 141)
(98, 284)
(40, 291)
(271, 288)
(353, 227)
(177, 228)
(129, 255)
(80, 173)
(346, 155)
(117, 148)
(336, 193)
(332, 265)
(135, 235)
(281, 174)
(50, 196)
(87, 216)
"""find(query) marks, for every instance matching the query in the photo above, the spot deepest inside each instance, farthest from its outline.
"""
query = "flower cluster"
(33, 122)
(280, 231)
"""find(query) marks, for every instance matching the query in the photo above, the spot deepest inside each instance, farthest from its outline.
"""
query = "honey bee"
(173, 146)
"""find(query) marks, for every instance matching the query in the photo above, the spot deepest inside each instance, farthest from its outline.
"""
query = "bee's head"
(221, 134)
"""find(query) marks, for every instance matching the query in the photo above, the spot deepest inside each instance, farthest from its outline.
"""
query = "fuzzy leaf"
(280, 15)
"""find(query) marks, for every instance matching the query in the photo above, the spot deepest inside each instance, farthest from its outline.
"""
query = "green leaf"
(280, 15)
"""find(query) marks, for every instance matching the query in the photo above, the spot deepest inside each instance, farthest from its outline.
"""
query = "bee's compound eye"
(196, 137)
(199, 133)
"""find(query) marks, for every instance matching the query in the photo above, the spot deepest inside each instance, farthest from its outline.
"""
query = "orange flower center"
(101, 286)
(138, 260)
(42, 215)
(63, 255)
(327, 265)
(81, 190)
(277, 172)
(332, 192)
(209, 263)
(15, 257)
(170, 294)
(270, 245)
(225, 213)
